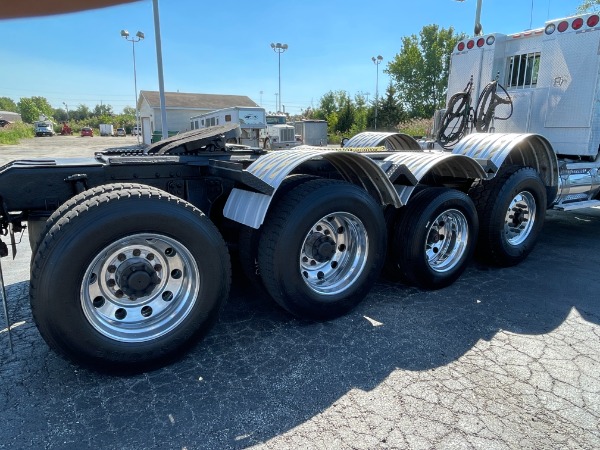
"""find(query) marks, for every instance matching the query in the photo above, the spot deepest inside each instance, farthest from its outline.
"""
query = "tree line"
(417, 88)
(32, 108)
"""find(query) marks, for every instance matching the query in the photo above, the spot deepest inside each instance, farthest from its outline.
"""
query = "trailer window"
(522, 70)
(196, 122)
(227, 117)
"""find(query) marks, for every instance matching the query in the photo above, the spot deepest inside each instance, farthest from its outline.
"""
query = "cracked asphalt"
(502, 359)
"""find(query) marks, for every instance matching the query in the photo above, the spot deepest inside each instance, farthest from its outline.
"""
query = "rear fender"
(250, 208)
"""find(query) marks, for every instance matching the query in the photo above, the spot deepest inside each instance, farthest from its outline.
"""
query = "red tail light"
(461, 46)
(562, 27)
(470, 44)
(577, 23)
(593, 21)
(480, 42)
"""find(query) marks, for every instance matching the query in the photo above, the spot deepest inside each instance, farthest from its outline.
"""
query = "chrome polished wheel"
(446, 240)
(334, 253)
(140, 287)
(520, 218)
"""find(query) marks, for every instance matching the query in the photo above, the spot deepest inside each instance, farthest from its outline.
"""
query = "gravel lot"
(504, 358)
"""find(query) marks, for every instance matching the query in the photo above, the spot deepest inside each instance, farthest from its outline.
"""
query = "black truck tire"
(128, 280)
(434, 238)
(38, 228)
(322, 248)
(249, 237)
(512, 209)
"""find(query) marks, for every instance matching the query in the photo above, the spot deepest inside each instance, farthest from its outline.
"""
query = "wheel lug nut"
(158, 267)
(111, 283)
(112, 269)
(121, 257)
(137, 252)
(150, 256)
(119, 293)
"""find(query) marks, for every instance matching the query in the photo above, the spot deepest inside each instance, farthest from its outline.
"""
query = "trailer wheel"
(249, 237)
(322, 248)
(511, 210)
(39, 228)
(128, 280)
(434, 238)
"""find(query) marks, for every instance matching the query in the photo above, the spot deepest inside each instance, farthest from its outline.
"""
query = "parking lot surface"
(503, 358)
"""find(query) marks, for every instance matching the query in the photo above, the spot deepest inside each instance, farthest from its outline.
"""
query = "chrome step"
(576, 205)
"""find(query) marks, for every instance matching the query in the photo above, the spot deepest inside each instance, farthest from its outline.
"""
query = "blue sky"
(223, 47)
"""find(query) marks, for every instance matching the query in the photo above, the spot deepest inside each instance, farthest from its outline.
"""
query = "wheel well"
(498, 149)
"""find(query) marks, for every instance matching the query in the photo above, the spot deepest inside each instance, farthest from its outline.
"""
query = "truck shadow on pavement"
(260, 372)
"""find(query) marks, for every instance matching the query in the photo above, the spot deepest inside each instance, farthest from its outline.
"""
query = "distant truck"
(106, 129)
(44, 128)
(278, 134)
(251, 119)
(312, 132)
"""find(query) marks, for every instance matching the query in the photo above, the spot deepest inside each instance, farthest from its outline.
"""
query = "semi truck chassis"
(131, 251)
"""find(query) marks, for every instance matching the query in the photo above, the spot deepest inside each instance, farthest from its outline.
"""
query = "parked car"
(136, 130)
(120, 132)
(87, 131)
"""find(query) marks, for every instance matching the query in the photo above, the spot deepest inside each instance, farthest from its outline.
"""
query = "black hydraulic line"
(456, 118)
(487, 103)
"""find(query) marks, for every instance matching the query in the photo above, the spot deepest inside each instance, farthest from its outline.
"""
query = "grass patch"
(13, 133)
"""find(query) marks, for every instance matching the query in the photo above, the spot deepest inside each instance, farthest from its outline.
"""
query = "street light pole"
(279, 49)
(478, 29)
(376, 61)
(139, 35)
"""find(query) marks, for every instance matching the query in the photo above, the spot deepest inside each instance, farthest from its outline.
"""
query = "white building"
(180, 107)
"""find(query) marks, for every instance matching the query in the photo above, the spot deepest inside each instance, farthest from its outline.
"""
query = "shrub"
(416, 127)
(13, 133)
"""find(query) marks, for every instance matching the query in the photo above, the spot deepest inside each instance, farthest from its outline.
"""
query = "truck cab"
(278, 134)
(44, 128)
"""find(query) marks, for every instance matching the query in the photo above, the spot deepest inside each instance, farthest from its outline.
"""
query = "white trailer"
(107, 129)
(278, 134)
(313, 132)
(250, 119)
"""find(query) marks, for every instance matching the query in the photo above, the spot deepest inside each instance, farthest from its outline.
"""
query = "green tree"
(8, 104)
(32, 108)
(390, 111)
(345, 113)
(129, 111)
(588, 6)
(420, 70)
(60, 115)
(81, 113)
(103, 110)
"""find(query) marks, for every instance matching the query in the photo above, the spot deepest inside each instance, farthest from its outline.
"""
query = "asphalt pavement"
(502, 359)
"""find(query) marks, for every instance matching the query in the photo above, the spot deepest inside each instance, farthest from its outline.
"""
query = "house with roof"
(180, 107)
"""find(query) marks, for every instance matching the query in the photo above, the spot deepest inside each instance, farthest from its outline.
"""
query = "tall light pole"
(377, 61)
(139, 35)
(478, 29)
(279, 49)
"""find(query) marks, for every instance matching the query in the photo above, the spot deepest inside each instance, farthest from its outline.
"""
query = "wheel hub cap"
(334, 253)
(137, 278)
(140, 287)
(520, 218)
(447, 240)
